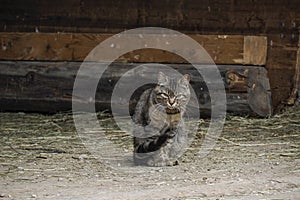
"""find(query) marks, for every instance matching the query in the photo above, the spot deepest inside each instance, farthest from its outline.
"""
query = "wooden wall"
(277, 20)
(205, 16)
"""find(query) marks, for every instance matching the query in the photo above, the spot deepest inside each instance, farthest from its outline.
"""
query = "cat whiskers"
(159, 107)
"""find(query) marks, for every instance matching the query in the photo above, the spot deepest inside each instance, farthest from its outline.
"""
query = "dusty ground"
(41, 157)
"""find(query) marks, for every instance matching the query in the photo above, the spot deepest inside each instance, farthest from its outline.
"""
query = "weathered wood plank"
(282, 52)
(217, 16)
(44, 84)
(276, 19)
(254, 50)
(281, 65)
(224, 49)
(296, 80)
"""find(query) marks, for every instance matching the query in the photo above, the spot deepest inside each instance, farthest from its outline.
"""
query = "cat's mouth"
(172, 110)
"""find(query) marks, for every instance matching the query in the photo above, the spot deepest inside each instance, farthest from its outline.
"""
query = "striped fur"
(159, 135)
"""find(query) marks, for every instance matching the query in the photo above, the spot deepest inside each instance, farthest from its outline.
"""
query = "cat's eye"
(164, 95)
(180, 96)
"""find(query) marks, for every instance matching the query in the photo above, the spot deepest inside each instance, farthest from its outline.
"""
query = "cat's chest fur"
(162, 118)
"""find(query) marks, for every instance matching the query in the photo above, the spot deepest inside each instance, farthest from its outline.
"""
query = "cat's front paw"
(163, 163)
(171, 133)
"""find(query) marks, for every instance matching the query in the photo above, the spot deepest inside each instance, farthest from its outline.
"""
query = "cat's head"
(172, 93)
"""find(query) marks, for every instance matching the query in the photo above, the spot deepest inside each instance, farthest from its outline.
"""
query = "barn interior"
(49, 47)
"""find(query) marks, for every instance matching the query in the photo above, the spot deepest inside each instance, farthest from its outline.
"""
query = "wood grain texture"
(254, 50)
(278, 20)
(48, 83)
(36, 46)
(75, 47)
(296, 80)
(217, 16)
(281, 66)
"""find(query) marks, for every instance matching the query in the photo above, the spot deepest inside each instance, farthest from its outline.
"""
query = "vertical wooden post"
(296, 84)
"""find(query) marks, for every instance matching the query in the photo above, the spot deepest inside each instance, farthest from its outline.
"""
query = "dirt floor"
(42, 157)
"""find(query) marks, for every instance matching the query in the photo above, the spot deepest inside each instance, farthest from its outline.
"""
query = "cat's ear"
(162, 78)
(186, 78)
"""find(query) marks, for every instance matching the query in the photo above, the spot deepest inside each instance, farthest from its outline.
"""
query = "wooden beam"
(218, 16)
(276, 19)
(48, 86)
(224, 49)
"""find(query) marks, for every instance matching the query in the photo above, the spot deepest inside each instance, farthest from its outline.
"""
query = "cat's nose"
(172, 101)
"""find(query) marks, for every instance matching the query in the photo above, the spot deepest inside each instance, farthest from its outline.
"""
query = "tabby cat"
(159, 134)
